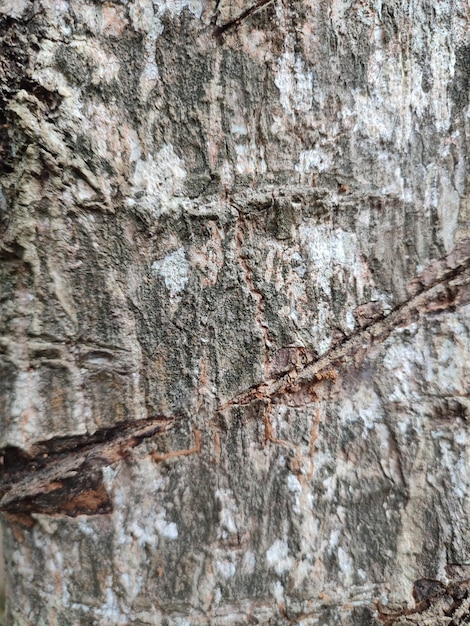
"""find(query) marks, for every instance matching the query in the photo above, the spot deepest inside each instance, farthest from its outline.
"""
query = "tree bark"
(235, 324)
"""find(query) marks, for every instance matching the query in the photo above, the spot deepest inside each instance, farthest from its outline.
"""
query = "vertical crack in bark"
(63, 475)
(256, 294)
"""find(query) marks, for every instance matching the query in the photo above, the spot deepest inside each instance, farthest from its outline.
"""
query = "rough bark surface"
(235, 323)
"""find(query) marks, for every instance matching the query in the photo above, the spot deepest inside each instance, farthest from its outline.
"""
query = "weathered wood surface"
(235, 325)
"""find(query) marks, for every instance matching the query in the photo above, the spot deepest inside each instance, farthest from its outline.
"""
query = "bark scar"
(444, 286)
(63, 475)
(434, 603)
(235, 23)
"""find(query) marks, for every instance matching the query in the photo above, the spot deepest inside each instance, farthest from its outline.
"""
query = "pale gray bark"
(234, 354)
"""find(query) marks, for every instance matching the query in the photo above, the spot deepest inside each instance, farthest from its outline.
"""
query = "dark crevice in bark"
(63, 475)
(52, 99)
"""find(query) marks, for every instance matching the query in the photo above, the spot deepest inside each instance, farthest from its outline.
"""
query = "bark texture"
(235, 323)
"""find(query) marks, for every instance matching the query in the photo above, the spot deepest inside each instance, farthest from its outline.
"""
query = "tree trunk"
(235, 324)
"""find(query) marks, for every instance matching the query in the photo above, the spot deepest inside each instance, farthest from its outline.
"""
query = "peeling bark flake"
(64, 475)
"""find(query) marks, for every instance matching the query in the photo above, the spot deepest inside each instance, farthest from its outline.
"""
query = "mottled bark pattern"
(247, 222)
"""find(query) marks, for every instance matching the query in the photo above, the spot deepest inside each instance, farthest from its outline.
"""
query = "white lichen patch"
(346, 566)
(169, 530)
(277, 557)
(175, 271)
(333, 255)
(142, 15)
(403, 360)
(249, 562)
(364, 405)
(175, 7)
(14, 8)
(150, 74)
(300, 504)
(109, 612)
(319, 330)
(156, 181)
(293, 483)
(295, 84)
(333, 540)
(278, 591)
(227, 513)
(333, 251)
(250, 158)
(317, 160)
(226, 568)
(26, 404)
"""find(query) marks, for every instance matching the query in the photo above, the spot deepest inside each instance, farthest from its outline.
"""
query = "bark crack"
(235, 23)
(256, 294)
(442, 287)
(63, 475)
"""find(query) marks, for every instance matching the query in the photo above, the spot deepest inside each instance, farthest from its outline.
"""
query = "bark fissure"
(256, 293)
